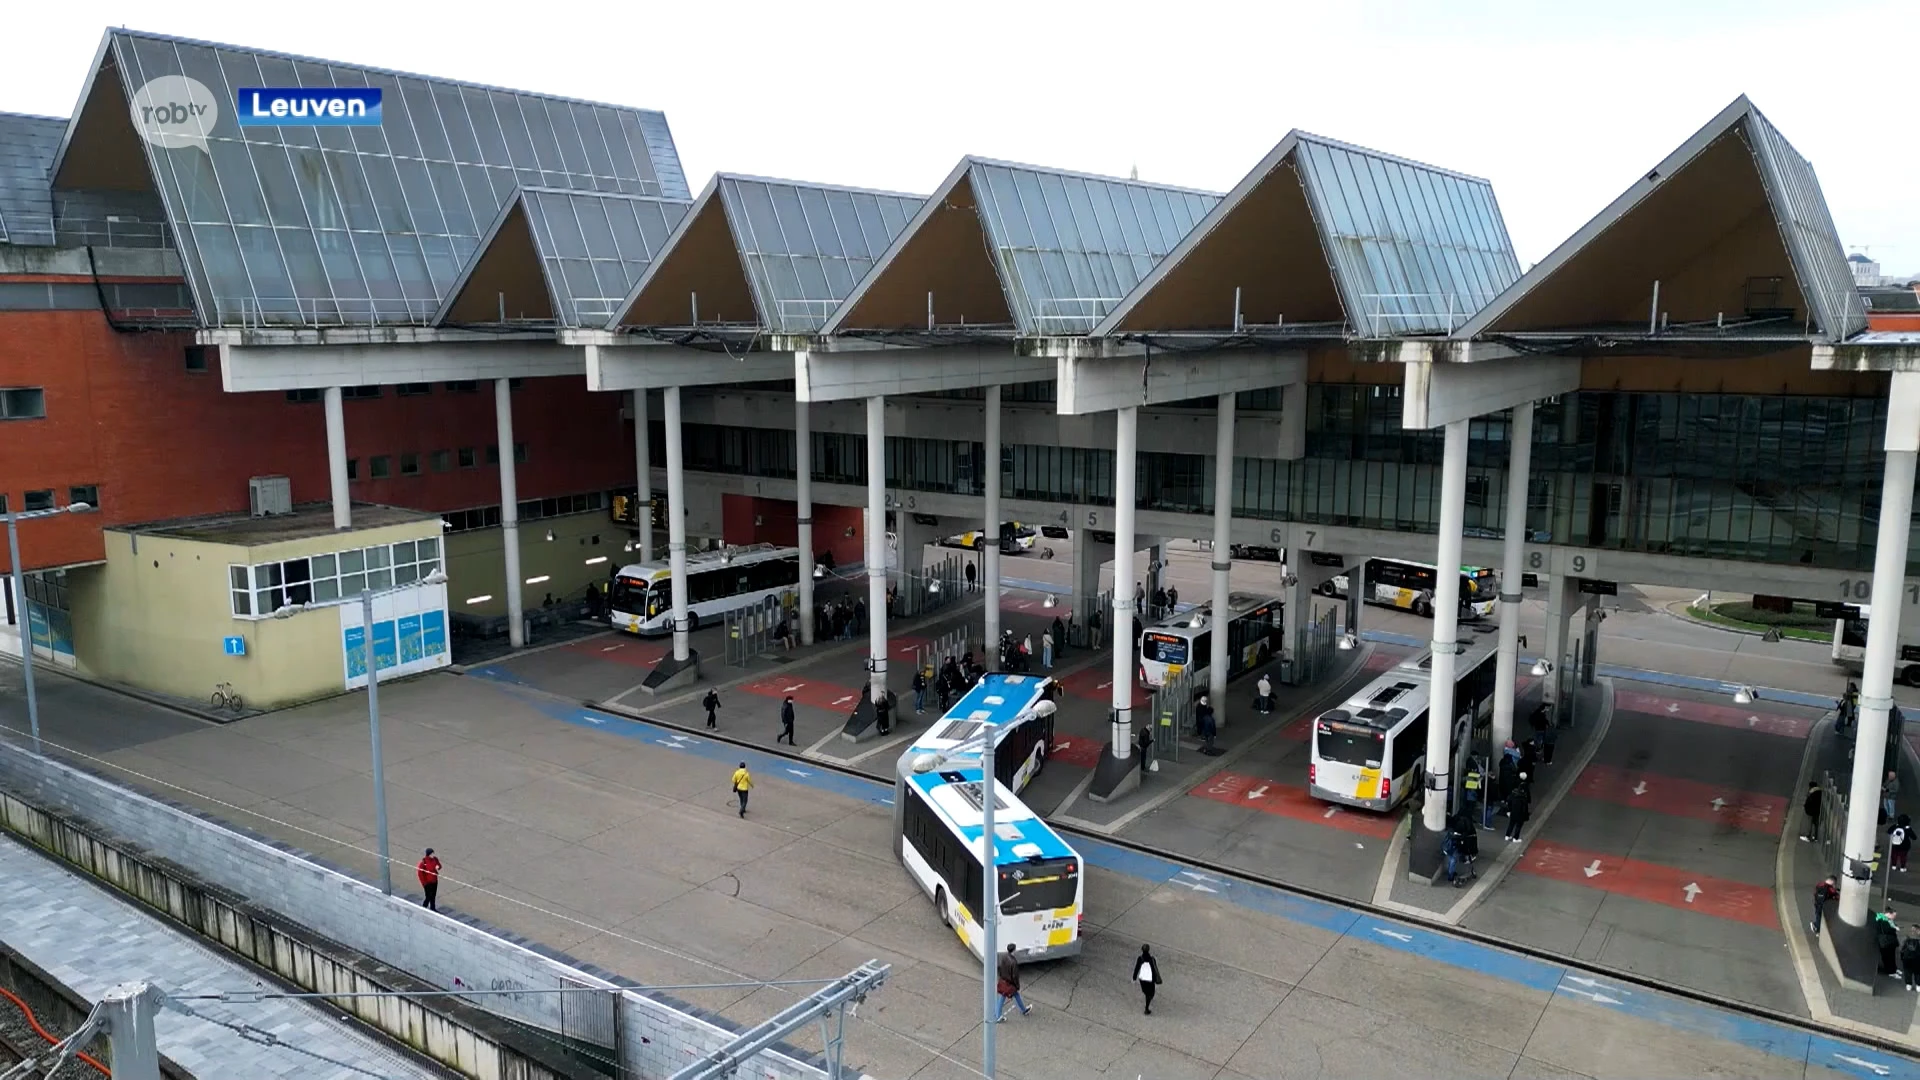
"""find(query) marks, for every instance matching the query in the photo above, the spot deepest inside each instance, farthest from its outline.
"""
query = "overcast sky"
(1560, 105)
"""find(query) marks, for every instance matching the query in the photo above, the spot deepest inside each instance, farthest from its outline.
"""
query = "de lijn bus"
(1372, 751)
(1409, 586)
(1184, 642)
(640, 600)
(1022, 740)
(1041, 890)
(1850, 649)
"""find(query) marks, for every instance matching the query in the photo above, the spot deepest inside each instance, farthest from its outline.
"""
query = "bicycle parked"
(226, 697)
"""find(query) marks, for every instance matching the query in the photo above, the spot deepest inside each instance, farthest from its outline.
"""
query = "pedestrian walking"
(1146, 972)
(786, 723)
(1139, 599)
(1886, 938)
(1812, 807)
(1900, 841)
(1096, 632)
(711, 703)
(1173, 598)
(971, 575)
(1889, 792)
(883, 713)
(1509, 773)
(429, 871)
(1046, 649)
(1910, 956)
(1823, 894)
(1519, 808)
(1205, 724)
(1059, 636)
(742, 785)
(920, 691)
(1010, 985)
(1263, 694)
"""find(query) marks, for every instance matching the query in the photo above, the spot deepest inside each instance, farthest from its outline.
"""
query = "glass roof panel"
(1414, 249)
(826, 230)
(1813, 244)
(1071, 247)
(372, 203)
(592, 247)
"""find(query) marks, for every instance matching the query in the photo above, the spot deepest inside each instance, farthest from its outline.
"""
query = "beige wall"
(154, 617)
(477, 567)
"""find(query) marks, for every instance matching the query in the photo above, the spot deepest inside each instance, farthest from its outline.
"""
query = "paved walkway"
(92, 940)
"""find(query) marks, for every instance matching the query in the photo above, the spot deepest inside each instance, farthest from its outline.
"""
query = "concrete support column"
(803, 510)
(337, 458)
(1126, 445)
(677, 523)
(877, 543)
(990, 550)
(509, 512)
(1563, 599)
(1883, 647)
(130, 1012)
(1519, 462)
(1446, 627)
(1222, 554)
(643, 468)
(1356, 596)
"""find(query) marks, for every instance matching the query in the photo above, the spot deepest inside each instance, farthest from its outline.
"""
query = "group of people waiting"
(1161, 604)
(839, 620)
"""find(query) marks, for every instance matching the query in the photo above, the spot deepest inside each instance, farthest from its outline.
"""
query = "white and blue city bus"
(1041, 889)
(640, 600)
(1006, 702)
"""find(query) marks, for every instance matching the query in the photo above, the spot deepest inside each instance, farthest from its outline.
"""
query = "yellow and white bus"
(1409, 586)
(1371, 751)
(640, 600)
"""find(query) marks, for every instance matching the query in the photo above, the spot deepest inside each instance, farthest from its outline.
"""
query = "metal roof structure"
(775, 255)
(1331, 239)
(316, 226)
(1728, 236)
(560, 258)
(27, 148)
(1020, 249)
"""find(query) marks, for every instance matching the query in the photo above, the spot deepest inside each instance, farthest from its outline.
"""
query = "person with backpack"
(1146, 972)
(1519, 807)
(1886, 938)
(1900, 841)
(920, 692)
(711, 703)
(1009, 985)
(1811, 806)
(1823, 894)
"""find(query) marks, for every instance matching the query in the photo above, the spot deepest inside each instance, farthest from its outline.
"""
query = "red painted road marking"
(805, 691)
(621, 649)
(1288, 800)
(1381, 661)
(1081, 753)
(906, 645)
(1793, 727)
(1653, 882)
(1673, 796)
(1096, 684)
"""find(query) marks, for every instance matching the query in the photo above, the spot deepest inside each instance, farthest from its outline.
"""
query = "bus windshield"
(1163, 648)
(628, 595)
(1039, 886)
(1350, 747)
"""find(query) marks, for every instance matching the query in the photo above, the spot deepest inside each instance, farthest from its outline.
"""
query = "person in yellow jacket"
(742, 784)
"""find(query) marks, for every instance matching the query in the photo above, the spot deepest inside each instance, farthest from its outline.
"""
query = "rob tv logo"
(299, 106)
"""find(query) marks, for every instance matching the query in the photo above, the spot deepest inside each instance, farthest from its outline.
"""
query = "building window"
(514, 384)
(359, 393)
(414, 389)
(326, 578)
(467, 459)
(84, 493)
(196, 358)
(379, 467)
(520, 453)
(39, 500)
(409, 464)
(303, 395)
(241, 586)
(493, 453)
(23, 403)
(353, 468)
(441, 460)
(464, 386)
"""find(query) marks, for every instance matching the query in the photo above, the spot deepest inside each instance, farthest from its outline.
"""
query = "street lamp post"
(373, 705)
(20, 598)
(990, 901)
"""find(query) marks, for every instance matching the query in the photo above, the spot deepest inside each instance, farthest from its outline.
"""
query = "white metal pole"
(803, 509)
(337, 457)
(373, 729)
(1222, 555)
(990, 538)
(643, 469)
(1519, 463)
(1446, 626)
(509, 512)
(130, 1010)
(1126, 441)
(877, 543)
(990, 910)
(1876, 675)
(25, 614)
(677, 523)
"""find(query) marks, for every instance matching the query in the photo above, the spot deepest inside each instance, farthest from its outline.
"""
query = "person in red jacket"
(429, 870)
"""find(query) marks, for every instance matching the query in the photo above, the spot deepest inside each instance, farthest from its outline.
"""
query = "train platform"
(615, 840)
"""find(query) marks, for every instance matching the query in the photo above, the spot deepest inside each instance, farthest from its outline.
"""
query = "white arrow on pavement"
(1718, 804)
(591, 719)
(791, 689)
(610, 648)
(1197, 875)
(1394, 934)
(1595, 984)
(1878, 1069)
(799, 772)
(1592, 994)
(1640, 788)
(1752, 720)
(1194, 885)
(1592, 869)
(1692, 890)
(1061, 745)
(1673, 707)
(844, 700)
(1104, 685)
(1258, 793)
(1331, 810)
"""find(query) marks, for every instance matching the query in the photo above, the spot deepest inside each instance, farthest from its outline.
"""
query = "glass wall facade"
(358, 225)
(1761, 478)
(806, 246)
(595, 247)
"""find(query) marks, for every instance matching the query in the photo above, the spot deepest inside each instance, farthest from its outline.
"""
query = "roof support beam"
(864, 373)
(1091, 382)
(299, 366)
(1438, 394)
(1892, 352)
(656, 367)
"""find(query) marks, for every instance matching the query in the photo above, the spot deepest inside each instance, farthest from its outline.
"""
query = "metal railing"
(1080, 634)
(305, 311)
(928, 658)
(1171, 712)
(934, 587)
(1314, 652)
(1413, 312)
(752, 630)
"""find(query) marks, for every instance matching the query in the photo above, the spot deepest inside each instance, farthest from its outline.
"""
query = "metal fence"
(933, 588)
(1314, 651)
(590, 1014)
(753, 630)
(1170, 711)
(928, 658)
(1080, 634)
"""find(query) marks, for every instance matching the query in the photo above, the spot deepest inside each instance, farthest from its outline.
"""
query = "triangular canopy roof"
(1733, 228)
(563, 258)
(27, 146)
(319, 225)
(1321, 232)
(778, 254)
(1039, 251)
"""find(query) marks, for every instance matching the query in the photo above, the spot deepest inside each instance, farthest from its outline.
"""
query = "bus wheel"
(1911, 676)
(693, 621)
(1325, 588)
(940, 905)
(1423, 609)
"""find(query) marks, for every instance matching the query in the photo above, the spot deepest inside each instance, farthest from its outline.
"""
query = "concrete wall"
(476, 563)
(658, 1038)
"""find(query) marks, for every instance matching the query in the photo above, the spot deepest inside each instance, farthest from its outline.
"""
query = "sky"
(1561, 106)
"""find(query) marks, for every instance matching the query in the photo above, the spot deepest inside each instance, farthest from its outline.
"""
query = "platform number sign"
(1861, 590)
(1570, 563)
